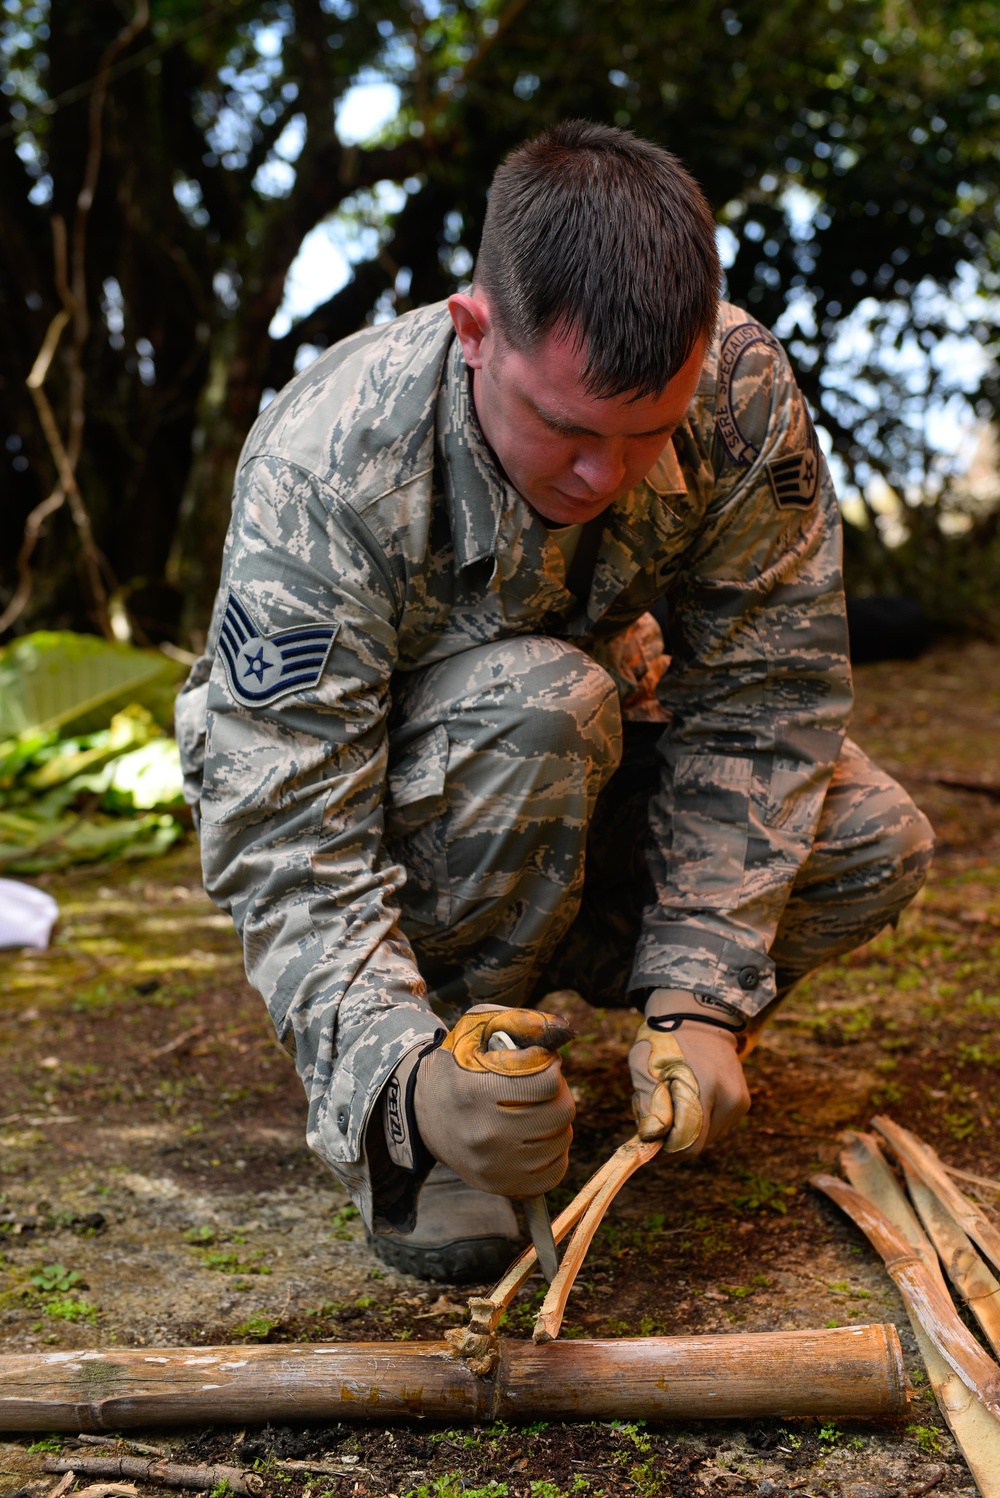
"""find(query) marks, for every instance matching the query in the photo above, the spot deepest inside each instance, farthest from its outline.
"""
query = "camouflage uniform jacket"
(372, 533)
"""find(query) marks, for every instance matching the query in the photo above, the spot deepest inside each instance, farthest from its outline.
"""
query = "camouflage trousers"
(518, 806)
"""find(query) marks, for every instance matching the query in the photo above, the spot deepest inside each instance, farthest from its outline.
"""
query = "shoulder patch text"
(727, 418)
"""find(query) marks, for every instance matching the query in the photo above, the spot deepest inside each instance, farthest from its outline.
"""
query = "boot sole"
(465, 1261)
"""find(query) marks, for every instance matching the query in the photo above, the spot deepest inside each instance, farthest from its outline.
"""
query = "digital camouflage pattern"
(446, 669)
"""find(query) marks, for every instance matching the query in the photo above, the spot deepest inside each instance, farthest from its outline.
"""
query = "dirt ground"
(155, 1188)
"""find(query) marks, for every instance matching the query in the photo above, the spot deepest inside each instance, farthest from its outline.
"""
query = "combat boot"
(462, 1236)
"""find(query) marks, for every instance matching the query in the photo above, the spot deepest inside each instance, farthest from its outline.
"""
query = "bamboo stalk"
(974, 1428)
(977, 1286)
(926, 1301)
(839, 1372)
(930, 1167)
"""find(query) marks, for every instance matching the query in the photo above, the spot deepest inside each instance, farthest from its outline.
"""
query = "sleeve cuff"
(701, 962)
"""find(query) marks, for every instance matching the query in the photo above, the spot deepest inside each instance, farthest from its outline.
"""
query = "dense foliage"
(849, 146)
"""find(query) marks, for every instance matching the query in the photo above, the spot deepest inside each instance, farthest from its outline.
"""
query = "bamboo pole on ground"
(842, 1372)
(974, 1281)
(975, 1429)
(926, 1299)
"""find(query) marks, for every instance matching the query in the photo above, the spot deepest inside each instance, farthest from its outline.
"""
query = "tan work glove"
(500, 1118)
(688, 1080)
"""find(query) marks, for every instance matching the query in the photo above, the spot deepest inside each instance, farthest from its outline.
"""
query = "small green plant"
(228, 1261)
(762, 1195)
(258, 1326)
(56, 1277)
(326, 1310)
(830, 1434)
(634, 1431)
(452, 1485)
(646, 1480)
(340, 1219)
(221, 1489)
(737, 1292)
(200, 1236)
(364, 1301)
(542, 1488)
(47, 1443)
(926, 1437)
(790, 1439)
(70, 1310)
(536, 1429)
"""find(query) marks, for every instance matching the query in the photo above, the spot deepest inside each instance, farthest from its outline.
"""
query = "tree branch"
(71, 285)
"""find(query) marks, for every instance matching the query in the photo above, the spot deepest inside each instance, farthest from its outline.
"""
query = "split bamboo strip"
(868, 1171)
(930, 1167)
(975, 1430)
(623, 1164)
(840, 1372)
(485, 1310)
(925, 1299)
(972, 1279)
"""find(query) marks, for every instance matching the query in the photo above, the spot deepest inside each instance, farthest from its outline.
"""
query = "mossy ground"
(152, 1144)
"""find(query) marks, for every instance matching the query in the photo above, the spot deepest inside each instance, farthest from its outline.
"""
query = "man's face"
(569, 454)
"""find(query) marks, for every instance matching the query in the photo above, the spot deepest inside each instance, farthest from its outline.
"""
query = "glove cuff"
(403, 1140)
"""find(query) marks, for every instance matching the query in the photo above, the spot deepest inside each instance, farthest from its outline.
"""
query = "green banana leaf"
(147, 778)
(58, 680)
(67, 758)
(31, 846)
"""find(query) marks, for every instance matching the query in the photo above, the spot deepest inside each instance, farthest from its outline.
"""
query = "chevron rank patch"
(262, 668)
(795, 479)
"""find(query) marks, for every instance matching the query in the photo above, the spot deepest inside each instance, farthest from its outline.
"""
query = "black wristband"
(668, 1023)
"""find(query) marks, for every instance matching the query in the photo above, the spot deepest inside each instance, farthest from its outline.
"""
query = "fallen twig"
(967, 783)
(346, 1468)
(107, 1490)
(85, 1440)
(178, 1045)
(970, 1175)
(169, 1474)
(66, 1481)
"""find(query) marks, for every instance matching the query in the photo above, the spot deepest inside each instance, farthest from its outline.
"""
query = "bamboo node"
(478, 1350)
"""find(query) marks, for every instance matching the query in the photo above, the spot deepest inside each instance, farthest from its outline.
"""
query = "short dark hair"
(590, 229)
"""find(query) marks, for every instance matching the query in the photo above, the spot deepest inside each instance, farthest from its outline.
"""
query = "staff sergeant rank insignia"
(795, 479)
(262, 668)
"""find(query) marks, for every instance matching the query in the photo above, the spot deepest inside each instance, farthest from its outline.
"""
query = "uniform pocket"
(707, 827)
(415, 784)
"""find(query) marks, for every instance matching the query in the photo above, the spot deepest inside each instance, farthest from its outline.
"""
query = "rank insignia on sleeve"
(795, 479)
(262, 668)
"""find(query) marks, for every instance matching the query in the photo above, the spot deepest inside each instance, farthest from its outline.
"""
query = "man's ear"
(470, 314)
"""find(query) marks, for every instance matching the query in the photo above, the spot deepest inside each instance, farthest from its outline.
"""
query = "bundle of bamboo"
(965, 1380)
